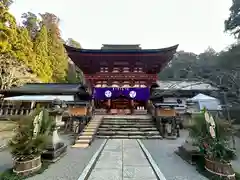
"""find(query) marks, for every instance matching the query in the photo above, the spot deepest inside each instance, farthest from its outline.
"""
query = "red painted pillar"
(132, 106)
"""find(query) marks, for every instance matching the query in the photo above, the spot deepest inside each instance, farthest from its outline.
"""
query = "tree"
(56, 52)
(221, 70)
(6, 3)
(232, 24)
(8, 28)
(13, 72)
(31, 23)
(24, 48)
(15, 40)
(43, 69)
(71, 42)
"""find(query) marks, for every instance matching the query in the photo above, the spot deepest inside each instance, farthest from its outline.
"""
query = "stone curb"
(153, 164)
(88, 169)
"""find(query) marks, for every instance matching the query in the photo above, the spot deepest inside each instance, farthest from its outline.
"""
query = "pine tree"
(44, 69)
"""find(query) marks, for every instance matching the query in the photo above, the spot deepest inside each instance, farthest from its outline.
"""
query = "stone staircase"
(128, 127)
(87, 135)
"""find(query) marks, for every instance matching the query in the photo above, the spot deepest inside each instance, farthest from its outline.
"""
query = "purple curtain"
(141, 94)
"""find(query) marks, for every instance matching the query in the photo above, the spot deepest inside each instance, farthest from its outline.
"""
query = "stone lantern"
(56, 147)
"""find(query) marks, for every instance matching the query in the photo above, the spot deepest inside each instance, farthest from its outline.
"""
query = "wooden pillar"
(109, 105)
(132, 106)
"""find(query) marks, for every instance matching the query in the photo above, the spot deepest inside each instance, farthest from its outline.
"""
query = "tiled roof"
(184, 85)
(46, 89)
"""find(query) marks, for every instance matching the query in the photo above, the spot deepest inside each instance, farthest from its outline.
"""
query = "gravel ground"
(71, 165)
(171, 165)
(68, 167)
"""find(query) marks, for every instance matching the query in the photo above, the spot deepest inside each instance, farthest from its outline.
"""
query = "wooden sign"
(166, 112)
(78, 111)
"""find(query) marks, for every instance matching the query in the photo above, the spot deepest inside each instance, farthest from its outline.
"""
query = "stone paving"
(122, 160)
(170, 164)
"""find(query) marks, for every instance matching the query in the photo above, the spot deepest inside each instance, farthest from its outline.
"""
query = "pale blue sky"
(194, 24)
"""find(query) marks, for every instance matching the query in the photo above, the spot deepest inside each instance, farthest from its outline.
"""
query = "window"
(125, 69)
(115, 70)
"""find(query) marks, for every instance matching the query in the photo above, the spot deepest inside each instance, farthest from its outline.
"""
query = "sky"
(193, 24)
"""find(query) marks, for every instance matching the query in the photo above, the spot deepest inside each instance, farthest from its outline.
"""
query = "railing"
(14, 111)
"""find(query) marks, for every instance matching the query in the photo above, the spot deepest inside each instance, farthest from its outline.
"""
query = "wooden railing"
(14, 111)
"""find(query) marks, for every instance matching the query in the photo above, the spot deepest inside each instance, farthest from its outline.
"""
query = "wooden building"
(21, 100)
(120, 75)
(177, 92)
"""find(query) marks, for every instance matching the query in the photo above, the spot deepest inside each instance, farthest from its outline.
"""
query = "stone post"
(56, 147)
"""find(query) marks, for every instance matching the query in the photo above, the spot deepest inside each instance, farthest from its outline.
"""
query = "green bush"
(26, 144)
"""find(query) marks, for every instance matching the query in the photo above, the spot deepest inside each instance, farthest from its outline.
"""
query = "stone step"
(92, 125)
(119, 116)
(87, 133)
(83, 141)
(85, 137)
(129, 137)
(149, 133)
(127, 123)
(128, 120)
(134, 120)
(127, 126)
(128, 129)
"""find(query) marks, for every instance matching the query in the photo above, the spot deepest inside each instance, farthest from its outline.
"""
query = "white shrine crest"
(108, 94)
(132, 94)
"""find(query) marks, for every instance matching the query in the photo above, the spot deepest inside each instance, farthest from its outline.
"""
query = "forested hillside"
(32, 51)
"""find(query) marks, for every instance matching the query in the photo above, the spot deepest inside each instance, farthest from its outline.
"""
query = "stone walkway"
(171, 165)
(122, 160)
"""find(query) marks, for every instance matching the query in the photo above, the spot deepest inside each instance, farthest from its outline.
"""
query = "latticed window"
(98, 84)
(104, 84)
(125, 69)
(137, 84)
(126, 84)
(115, 84)
(116, 70)
(105, 69)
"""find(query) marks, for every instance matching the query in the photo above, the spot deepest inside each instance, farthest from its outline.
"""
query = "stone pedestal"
(189, 153)
(56, 148)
